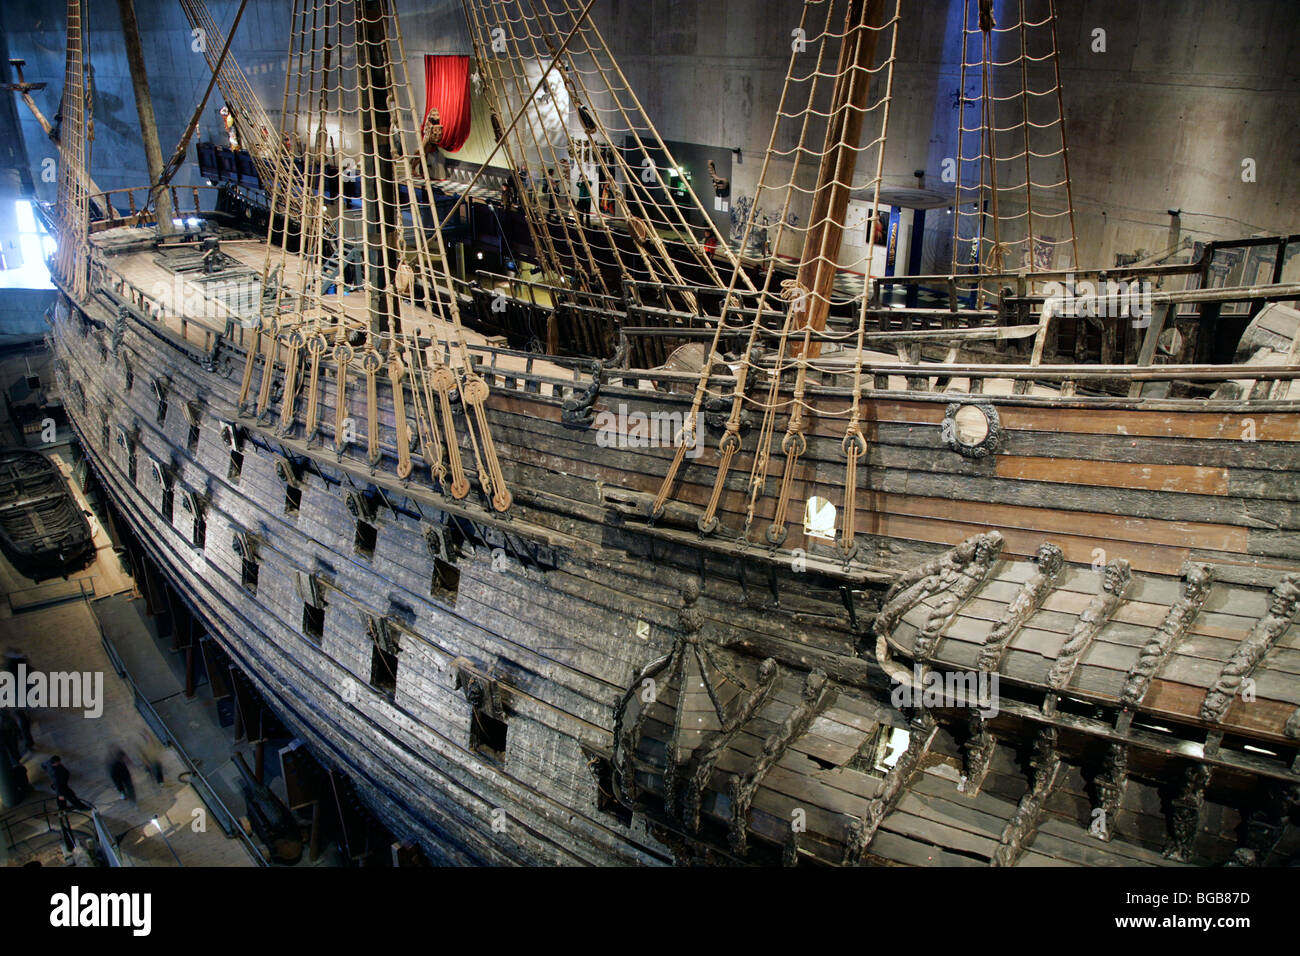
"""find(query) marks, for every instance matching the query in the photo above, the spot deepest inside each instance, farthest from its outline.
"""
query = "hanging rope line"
(833, 112)
(362, 273)
(1014, 209)
(72, 258)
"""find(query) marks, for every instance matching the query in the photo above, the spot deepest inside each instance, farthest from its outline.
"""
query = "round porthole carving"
(971, 429)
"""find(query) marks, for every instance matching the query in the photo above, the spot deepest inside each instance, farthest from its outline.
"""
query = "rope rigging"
(1013, 206)
(829, 118)
(393, 314)
(72, 258)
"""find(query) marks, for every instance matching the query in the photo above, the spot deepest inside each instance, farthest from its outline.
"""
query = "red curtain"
(446, 87)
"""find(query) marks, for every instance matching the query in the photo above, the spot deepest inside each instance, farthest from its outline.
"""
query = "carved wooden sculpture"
(1046, 765)
(1281, 611)
(914, 586)
(861, 831)
(977, 755)
(957, 582)
(815, 698)
(1185, 813)
(1110, 785)
(1156, 651)
(1028, 599)
(707, 757)
(1115, 578)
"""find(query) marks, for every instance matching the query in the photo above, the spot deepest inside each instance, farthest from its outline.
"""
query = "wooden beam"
(850, 101)
(1149, 342)
(144, 108)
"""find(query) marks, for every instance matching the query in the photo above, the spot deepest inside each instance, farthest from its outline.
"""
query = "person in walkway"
(60, 780)
(151, 757)
(549, 202)
(15, 659)
(11, 738)
(584, 202)
(120, 774)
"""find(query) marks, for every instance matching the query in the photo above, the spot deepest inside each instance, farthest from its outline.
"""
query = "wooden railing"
(165, 314)
(187, 202)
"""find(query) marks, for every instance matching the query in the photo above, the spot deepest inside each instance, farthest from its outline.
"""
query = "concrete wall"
(22, 314)
(1184, 92)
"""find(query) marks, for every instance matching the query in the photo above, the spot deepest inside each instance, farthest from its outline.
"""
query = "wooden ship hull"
(533, 622)
(518, 639)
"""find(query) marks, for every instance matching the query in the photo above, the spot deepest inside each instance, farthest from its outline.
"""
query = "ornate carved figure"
(1050, 559)
(1110, 786)
(915, 585)
(1185, 813)
(433, 130)
(1115, 579)
(706, 757)
(1292, 728)
(1020, 829)
(816, 696)
(861, 831)
(720, 185)
(957, 583)
(690, 619)
(977, 754)
(1196, 587)
(1281, 611)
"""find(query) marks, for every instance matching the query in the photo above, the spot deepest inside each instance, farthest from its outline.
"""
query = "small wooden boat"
(42, 528)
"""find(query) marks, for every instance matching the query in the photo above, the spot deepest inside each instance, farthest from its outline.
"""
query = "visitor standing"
(120, 774)
(61, 781)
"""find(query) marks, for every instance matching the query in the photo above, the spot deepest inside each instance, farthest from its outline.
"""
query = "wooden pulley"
(371, 361)
(343, 353)
(443, 379)
(475, 391)
(638, 227)
(316, 344)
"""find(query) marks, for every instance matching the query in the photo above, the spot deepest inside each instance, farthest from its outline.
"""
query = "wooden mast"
(25, 90)
(144, 107)
(839, 158)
